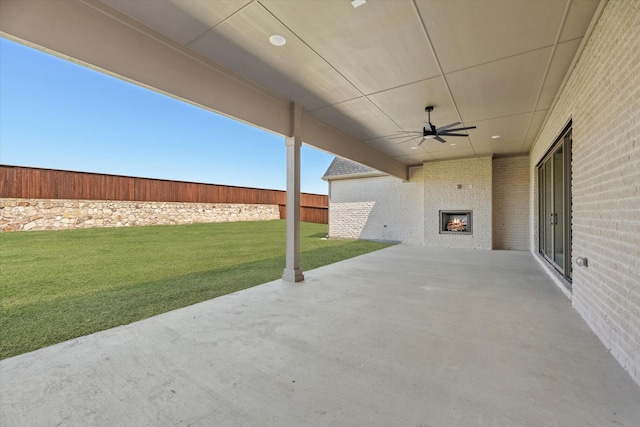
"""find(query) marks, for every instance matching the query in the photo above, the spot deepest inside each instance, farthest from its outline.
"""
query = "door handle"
(553, 218)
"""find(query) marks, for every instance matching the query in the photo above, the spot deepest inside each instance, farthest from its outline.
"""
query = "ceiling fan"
(429, 131)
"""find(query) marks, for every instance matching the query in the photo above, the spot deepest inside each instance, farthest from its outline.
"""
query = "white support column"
(292, 271)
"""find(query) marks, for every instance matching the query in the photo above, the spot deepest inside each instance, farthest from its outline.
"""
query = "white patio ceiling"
(369, 71)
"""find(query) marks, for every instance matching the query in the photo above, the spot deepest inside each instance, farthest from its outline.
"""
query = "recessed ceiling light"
(452, 144)
(414, 148)
(358, 3)
(495, 137)
(277, 40)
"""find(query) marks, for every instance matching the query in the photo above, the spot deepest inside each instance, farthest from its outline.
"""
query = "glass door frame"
(555, 227)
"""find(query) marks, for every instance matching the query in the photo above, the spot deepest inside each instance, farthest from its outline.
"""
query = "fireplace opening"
(456, 222)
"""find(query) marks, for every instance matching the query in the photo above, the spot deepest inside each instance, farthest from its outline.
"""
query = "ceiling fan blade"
(453, 134)
(437, 138)
(456, 129)
(450, 125)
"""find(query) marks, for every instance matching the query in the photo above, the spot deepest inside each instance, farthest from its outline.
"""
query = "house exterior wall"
(387, 208)
(602, 97)
(441, 193)
(511, 203)
(378, 208)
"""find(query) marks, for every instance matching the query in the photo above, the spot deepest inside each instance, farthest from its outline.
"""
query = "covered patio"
(406, 336)
(412, 335)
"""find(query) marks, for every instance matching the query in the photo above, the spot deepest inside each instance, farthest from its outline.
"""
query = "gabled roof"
(345, 169)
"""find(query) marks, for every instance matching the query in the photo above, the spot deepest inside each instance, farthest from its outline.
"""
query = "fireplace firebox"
(456, 222)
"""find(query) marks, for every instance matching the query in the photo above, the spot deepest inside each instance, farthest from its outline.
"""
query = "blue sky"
(59, 115)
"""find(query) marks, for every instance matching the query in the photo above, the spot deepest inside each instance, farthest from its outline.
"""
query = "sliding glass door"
(554, 178)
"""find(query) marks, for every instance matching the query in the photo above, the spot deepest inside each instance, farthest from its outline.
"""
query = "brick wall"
(441, 193)
(46, 214)
(348, 219)
(378, 208)
(387, 208)
(602, 97)
(511, 203)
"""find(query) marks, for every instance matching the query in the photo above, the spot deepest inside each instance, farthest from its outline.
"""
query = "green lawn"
(58, 285)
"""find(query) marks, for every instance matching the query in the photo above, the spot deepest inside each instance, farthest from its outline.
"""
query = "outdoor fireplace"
(456, 222)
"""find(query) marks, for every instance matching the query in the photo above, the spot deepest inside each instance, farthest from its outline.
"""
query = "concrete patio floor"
(406, 336)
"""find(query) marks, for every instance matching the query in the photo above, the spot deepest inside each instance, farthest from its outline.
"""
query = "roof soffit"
(369, 72)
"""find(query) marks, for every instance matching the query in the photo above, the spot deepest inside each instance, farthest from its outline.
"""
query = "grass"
(61, 285)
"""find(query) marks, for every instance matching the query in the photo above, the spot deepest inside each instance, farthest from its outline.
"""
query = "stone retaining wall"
(46, 214)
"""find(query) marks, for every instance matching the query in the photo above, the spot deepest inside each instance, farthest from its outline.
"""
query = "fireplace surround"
(456, 222)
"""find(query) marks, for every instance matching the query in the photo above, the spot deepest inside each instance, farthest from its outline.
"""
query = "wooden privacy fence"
(37, 183)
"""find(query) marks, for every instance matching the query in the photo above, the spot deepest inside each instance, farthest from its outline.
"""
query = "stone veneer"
(44, 214)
